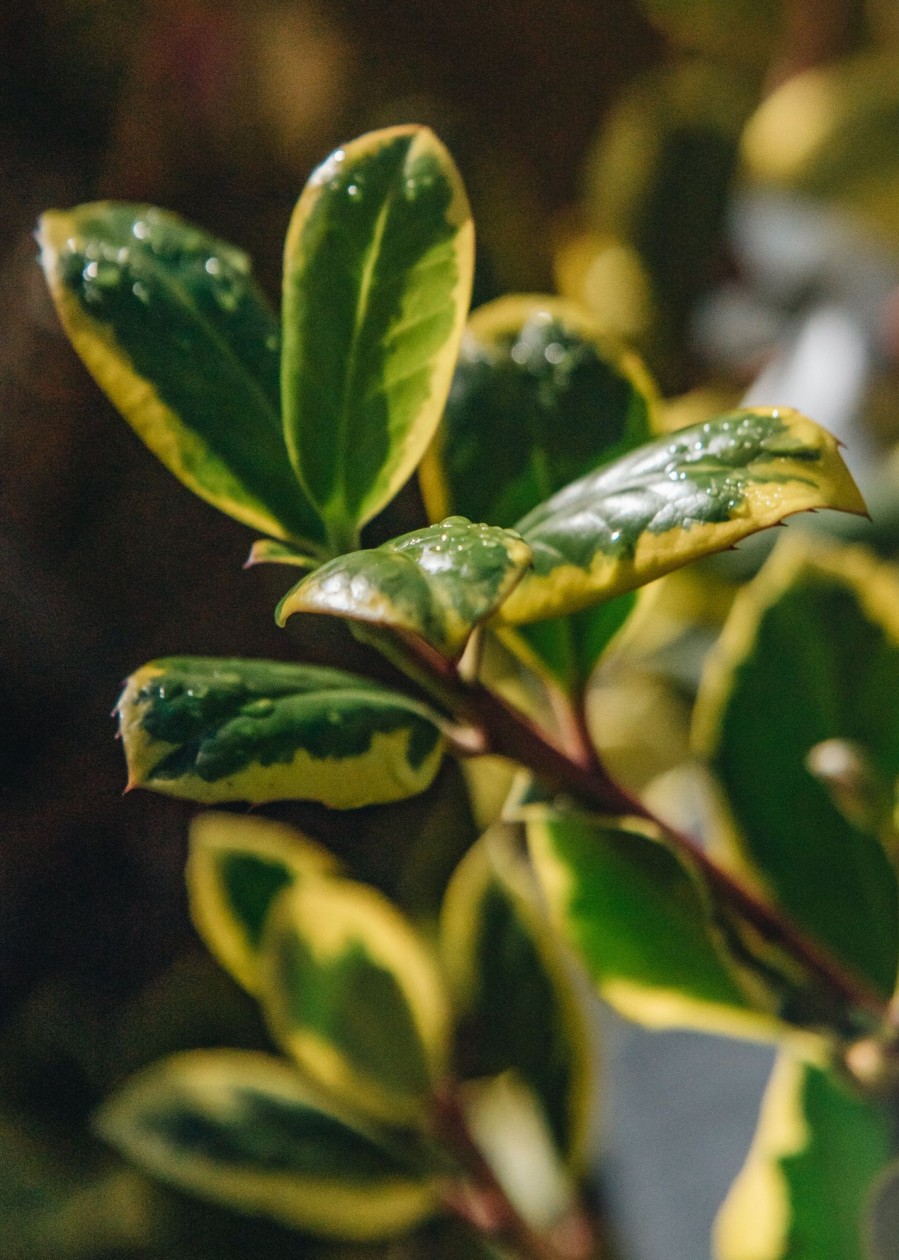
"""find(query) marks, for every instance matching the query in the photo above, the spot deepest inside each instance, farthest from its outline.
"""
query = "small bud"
(844, 769)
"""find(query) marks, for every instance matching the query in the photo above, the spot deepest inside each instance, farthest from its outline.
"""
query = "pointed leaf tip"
(689, 494)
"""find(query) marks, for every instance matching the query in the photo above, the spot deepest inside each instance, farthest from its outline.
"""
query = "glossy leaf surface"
(539, 398)
(811, 653)
(686, 495)
(242, 1130)
(172, 326)
(638, 921)
(515, 990)
(236, 868)
(377, 280)
(811, 1168)
(437, 583)
(353, 995)
(234, 730)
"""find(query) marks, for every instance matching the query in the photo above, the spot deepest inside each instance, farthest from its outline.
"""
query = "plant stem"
(510, 733)
(500, 1219)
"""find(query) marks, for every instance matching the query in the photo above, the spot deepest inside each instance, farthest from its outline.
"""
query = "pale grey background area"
(676, 1118)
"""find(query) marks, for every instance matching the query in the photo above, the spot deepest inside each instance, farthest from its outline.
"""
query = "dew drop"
(141, 292)
(213, 266)
(354, 192)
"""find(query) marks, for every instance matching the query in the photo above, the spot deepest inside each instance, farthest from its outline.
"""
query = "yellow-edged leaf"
(354, 996)
(236, 867)
(243, 1130)
(377, 281)
(236, 730)
(686, 495)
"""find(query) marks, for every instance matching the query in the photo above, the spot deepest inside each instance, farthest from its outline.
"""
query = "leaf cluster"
(553, 496)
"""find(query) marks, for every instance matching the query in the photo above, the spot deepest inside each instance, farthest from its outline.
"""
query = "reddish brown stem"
(488, 1208)
(510, 733)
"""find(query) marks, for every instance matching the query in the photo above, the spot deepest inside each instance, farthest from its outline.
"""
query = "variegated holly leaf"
(234, 730)
(174, 329)
(686, 495)
(540, 396)
(810, 655)
(273, 551)
(354, 996)
(243, 1130)
(807, 1180)
(377, 281)
(236, 868)
(436, 584)
(639, 921)
(510, 979)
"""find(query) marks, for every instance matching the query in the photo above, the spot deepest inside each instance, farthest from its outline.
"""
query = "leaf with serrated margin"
(637, 919)
(377, 280)
(437, 584)
(810, 653)
(683, 496)
(540, 396)
(515, 990)
(814, 1159)
(354, 996)
(172, 326)
(243, 1130)
(217, 730)
(236, 868)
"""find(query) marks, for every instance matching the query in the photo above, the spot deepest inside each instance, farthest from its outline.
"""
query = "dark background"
(219, 111)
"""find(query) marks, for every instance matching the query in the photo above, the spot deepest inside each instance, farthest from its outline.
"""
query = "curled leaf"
(436, 584)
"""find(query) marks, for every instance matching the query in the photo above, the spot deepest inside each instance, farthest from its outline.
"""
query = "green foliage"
(809, 655)
(341, 1138)
(396, 1046)
(219, 730)
(377, 279)
(603, 877)
(437, 584)
(242, 1129)
(174, 329)
(808, 1177)
(495, 943)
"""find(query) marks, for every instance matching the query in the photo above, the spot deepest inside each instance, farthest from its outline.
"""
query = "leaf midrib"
(335, 512)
